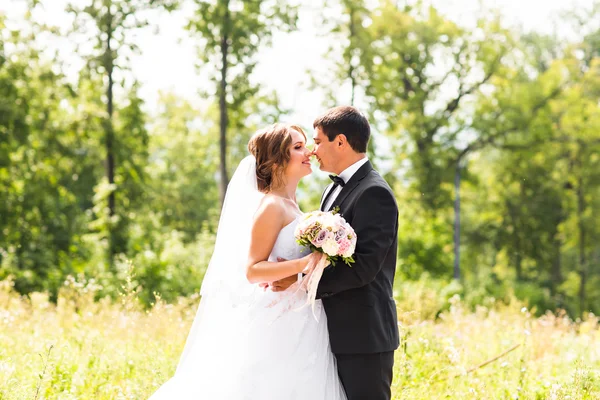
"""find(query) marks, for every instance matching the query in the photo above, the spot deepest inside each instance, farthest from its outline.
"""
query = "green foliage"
(423, 71)
(164, 263)
(39, 215)
(516, 114)
(182, 170)
(230, 34)
(109, 24)
(426, 249)
(245, 26)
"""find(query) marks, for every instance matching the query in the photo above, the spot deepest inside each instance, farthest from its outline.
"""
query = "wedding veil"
(226, 292)
(225, 270)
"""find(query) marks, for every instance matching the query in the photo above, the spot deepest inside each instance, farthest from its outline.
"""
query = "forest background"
(487, 131)
(122, 120)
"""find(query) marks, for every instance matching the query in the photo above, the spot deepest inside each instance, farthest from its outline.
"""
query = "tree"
(230, 33)
(512, 117)
(577, 127)
(40, 219)
(113, 22)
(539, 210)
(182, 167)
(345, 21)
(422, 71)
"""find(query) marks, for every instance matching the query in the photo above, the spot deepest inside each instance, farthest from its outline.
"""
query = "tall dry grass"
(79, 348)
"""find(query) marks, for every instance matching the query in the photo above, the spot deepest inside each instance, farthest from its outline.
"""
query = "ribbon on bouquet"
(311, 280)
(309, 284)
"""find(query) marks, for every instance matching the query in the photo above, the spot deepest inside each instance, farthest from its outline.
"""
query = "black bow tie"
(337, 180)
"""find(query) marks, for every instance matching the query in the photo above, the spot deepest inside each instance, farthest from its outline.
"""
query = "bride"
(248, 342)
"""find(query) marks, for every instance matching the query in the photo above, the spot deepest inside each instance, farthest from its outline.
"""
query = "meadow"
(80, 347)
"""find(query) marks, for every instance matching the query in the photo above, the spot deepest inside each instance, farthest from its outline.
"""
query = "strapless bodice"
(286, 246)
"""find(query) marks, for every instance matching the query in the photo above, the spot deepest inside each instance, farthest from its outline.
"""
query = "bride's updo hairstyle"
(270, 146)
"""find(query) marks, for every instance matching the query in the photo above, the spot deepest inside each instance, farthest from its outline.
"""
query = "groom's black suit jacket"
(358, 300)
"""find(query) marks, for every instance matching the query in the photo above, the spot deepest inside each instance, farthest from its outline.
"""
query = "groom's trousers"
(366, 376)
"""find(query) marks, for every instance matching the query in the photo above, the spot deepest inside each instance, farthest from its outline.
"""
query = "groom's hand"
(283, 284)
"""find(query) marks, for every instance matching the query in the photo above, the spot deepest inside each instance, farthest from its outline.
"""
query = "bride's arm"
(268, 222)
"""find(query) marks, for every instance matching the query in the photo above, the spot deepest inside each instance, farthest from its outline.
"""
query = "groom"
(358, 300)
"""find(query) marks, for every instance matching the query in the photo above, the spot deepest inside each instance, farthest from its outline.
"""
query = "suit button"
(326, 295)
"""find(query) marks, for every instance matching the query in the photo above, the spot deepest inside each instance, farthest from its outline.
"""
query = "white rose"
(348, 252)
(330, 247)
(330, 220)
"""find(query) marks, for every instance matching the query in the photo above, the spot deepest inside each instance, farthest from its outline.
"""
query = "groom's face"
(324, 150)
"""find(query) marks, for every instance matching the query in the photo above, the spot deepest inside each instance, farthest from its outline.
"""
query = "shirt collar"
(351, 170)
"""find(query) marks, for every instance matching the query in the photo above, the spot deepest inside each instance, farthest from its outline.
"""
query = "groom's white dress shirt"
(345, 175)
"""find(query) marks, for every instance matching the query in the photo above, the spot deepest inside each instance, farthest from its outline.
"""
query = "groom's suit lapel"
(327, 189)
(352, 184)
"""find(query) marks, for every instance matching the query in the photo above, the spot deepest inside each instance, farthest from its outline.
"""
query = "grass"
(85, 349)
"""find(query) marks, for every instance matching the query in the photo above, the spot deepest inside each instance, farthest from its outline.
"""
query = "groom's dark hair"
(347, 121)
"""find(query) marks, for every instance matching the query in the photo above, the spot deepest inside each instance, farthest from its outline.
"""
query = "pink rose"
(344, 246)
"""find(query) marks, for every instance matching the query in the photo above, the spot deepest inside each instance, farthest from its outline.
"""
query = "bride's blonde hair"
(270, 147)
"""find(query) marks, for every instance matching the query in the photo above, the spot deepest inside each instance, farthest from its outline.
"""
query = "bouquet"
(329, 234)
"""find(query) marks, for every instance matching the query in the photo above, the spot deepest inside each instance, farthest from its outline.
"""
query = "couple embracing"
(252, 338)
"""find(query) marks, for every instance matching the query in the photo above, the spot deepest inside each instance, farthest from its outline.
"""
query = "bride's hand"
(311, 262)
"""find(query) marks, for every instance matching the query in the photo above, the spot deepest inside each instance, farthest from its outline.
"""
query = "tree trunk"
(517, 256)
(582, 238)
(520, 251)
(519, 263)
(110, 159)
(351, 67)
(223, 107)
(556, 273)
(457, 221)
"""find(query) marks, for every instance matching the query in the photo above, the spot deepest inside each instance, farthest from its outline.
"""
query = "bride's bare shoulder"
(271, 207)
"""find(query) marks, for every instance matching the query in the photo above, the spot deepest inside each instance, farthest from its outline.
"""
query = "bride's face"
(299, 164)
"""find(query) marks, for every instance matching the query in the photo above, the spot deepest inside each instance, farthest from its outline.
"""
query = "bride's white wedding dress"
(269, 348)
